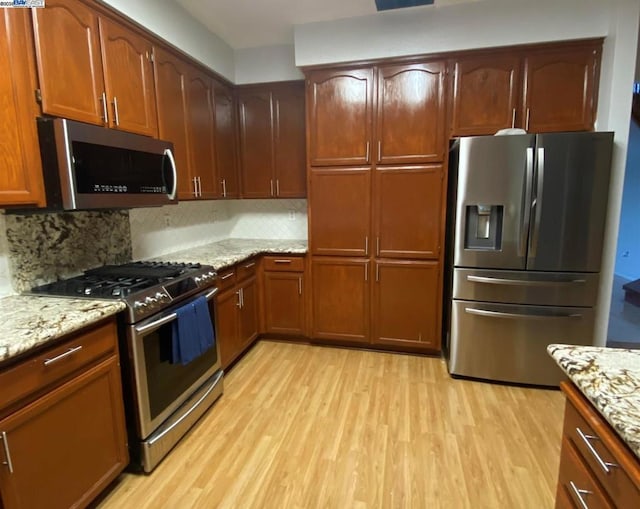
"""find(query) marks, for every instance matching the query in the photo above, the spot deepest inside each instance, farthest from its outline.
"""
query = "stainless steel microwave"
(92, 167)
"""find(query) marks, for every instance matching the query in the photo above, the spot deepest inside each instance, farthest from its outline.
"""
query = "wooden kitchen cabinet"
(560, 88)
(62, 425)
(408, 210)
(100, 72)
(486, 93)
(21, 176)
(225, 141)
(340, 116)
(128, 77)
(594, 459)
(340, 211)
(227, 330)
(284, 295)
(272, 140)
(248, 312)
(340, 297)
(406, 303)
(411, 113)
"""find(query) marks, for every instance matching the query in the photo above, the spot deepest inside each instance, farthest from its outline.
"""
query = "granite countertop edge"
(610, 379)
(32, 321)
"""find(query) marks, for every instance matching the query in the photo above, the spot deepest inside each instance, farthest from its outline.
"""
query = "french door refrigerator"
(524, 246)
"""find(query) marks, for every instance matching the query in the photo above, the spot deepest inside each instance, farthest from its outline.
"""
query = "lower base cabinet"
(284, 309)
(64, 447)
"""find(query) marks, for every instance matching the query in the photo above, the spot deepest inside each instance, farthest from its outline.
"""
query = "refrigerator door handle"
(521, 282)
(537, 203)
(499, 314)
(526, 220)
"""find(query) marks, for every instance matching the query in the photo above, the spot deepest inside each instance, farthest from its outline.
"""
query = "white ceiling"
(252, 23)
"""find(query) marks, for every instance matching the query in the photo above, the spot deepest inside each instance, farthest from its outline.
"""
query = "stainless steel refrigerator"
(524, 245)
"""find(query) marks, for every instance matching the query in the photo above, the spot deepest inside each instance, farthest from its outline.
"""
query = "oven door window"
(166, 382)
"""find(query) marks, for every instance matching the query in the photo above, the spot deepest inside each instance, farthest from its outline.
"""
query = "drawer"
(284, 263)
(576, 483)
(599, 457)
(57, 363)
(246, 269)
(226, 279)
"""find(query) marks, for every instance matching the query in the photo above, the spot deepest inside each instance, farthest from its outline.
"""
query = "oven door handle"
(156, 324)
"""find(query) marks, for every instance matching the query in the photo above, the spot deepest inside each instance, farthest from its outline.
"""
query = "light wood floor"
(303, 426)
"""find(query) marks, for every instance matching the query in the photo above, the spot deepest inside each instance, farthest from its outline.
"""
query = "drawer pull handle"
(605, 465)
(71, 351)
(226, 276)
(578, 493)
(7, 453)
(249, 265)
(281, 261)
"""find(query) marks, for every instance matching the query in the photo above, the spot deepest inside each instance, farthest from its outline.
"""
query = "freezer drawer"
(526, 287)
(508, 343)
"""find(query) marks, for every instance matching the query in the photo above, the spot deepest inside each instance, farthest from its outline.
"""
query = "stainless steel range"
(164, 396)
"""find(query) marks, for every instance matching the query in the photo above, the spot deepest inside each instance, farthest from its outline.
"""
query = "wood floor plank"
(303, 426)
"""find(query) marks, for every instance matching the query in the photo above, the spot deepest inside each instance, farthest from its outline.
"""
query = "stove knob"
(162, 297)
(137, 305)
(211, 274)
(198, 280)
(151, 301)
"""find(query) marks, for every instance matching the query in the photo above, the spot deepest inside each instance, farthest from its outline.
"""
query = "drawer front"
(56, 363)
(246, 269)
(599, 458)
(226, 279)
(283, 263)
(576, 483)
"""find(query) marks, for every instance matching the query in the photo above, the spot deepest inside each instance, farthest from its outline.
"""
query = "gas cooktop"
(146, 287)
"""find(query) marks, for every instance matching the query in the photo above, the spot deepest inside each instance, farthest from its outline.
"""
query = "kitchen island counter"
(610, 380)
(226, 253)
(29, 321)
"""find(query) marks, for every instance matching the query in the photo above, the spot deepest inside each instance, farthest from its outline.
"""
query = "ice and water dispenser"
(484, 227)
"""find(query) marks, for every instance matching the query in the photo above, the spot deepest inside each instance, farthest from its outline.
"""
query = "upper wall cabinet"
(272, 140)
(21, 170)
(225, 141)
(93, 69)
(545, 89)
(411, 113)
(340, 114)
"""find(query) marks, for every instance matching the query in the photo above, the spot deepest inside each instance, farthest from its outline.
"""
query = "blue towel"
(192, 332)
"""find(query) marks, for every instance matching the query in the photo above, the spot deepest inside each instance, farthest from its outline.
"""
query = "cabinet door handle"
(377, 246)
(239, 303)
(300, 285)
(7, 453)
(105, 111)
(226, 276)
(224, 188)
(604, 465)
(199, 187)
(277, 187)
(367, 154)
(379, 150)
(71, 351)
(526, 127)
(513, 118)
(281, 261)
(366, 245)
(377, 272)
(271, 183)
(366, 271)
(116, 115)
(577, 495)
(242, 298)
(195, 187)
(249, 265)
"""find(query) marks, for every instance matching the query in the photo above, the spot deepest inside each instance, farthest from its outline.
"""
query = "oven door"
(159, 386)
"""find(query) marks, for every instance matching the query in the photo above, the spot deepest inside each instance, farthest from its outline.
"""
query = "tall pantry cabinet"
(377, 145)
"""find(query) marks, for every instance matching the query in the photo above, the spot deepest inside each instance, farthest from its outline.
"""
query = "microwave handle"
(169, 154)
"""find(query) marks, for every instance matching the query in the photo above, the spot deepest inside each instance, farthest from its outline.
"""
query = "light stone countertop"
(228, 252)
(610, 379)
(29, 321)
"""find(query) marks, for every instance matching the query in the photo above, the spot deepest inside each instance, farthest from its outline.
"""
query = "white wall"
(171, 22)
(268, 63)
(501, 23)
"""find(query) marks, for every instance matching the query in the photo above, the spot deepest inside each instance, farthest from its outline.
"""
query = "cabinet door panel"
(340, 116)
(201, 128)
(227, 333)
(170, 77)
(128, 74)
(289, 149)
(560, 90)
(411, 113)
(256, 144)
(406, 303)
(69, 65)
(70, 443)
(249, 313)
(340, 211)
(284, 302)
(485, 94)
(340, 288)
(21, 175)
(408, 211)
(225, 144)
